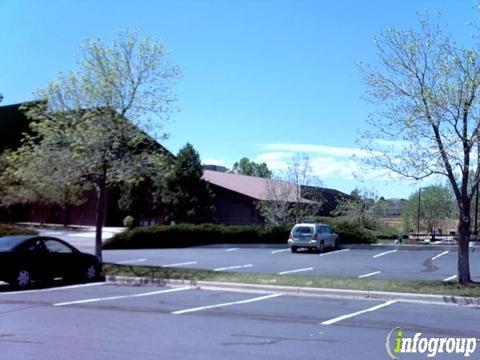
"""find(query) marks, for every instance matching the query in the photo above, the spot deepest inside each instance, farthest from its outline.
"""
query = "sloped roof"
(255, 187)
(14, 123)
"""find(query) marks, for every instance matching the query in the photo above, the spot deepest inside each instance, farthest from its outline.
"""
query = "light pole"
(476, 214)
(1, 97)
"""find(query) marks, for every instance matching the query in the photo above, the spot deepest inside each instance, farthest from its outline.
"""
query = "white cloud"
(329, 167)
(338, 151)
(326, 161)
(213, 161)
(323, 166)
(393, 143)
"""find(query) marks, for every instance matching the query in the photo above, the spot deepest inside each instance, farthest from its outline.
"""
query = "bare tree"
(293, 194)
(363, 207)
(427, 87)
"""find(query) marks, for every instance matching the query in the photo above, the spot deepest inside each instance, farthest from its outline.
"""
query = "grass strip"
(350, 283)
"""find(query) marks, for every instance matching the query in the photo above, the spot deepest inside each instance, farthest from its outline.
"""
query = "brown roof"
(254, 187)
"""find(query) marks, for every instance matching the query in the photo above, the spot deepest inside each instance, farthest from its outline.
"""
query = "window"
(303, 230)
(57, 247)
(34, 246)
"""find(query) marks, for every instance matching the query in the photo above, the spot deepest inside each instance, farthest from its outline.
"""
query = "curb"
(299, 291)
(406, 247)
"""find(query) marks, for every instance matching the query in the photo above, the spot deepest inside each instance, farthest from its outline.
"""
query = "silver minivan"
(312, 236)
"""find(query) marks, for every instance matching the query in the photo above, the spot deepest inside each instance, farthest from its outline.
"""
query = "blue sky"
(262, 79)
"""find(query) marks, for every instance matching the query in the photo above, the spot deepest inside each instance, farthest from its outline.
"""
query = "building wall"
(72, 215)
(232, 208)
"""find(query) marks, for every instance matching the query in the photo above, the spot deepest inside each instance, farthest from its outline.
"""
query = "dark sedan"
(27, 258)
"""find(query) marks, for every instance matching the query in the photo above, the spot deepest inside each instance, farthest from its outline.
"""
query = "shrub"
(349, 233)
(386, 232)
(183, 235)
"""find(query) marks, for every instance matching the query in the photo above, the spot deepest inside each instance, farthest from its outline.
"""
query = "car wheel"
(293, 249)
(321, 246)
(22, 278)
(91, 272)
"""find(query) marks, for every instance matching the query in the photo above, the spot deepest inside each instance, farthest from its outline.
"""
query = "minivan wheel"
(22, 278)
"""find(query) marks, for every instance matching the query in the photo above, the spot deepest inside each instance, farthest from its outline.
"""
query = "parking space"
(178, 323)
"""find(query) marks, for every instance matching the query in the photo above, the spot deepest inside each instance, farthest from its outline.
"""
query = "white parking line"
(279, 251)
(233, 267)
(121, 297)
(441, 254)
(232, 249)
(295, 271)
(369, 274)
(347, 316)
(181, 264)
(384, 253)
(52, 289)
(178, 312)
(450, 278)
(334, 252)
(131, 261)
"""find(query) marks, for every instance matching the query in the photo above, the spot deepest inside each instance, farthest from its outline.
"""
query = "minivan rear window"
(303, 230)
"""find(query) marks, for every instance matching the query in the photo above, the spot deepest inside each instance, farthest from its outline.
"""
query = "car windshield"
(7, 243)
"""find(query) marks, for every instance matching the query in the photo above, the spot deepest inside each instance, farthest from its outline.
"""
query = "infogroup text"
(397, 343)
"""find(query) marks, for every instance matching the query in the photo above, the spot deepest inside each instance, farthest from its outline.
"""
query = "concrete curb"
(407, 247)
(300, 291)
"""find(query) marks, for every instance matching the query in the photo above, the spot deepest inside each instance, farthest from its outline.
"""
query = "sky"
(263, 79)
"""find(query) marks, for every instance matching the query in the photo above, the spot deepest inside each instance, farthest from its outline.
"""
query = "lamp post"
(476, 214)
(1, 97)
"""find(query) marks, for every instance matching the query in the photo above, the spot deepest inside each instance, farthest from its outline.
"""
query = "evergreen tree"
(186, 196)
(245, 166)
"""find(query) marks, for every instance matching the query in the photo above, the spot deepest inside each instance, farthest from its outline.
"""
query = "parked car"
(27, 258)
(312, 236)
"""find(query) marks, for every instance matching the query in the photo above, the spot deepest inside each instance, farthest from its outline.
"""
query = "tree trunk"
(463, 264)
(99, 216)
(66, 219)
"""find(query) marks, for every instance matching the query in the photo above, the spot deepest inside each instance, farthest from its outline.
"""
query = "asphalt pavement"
(277, 259)
(98, 321)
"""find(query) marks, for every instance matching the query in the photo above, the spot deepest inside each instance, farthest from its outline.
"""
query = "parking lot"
(378, 264)
(277, 259)
(98, 321)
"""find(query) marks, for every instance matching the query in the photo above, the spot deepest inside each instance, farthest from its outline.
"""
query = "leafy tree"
(293, 194)
(428, 89)
(245, 166)
(362, 208)
(187, 198)
(436, 205)
(86, 116)
(33, 174)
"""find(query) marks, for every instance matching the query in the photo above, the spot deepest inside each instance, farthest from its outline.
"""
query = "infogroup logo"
(398, 343)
